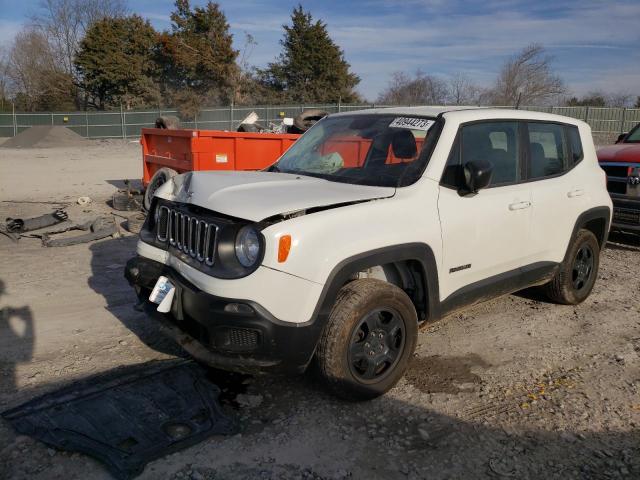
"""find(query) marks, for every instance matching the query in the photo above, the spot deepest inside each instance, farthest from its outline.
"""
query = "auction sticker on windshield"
(412, 123)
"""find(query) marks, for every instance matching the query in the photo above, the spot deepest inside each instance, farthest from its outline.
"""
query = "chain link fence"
(606, 123)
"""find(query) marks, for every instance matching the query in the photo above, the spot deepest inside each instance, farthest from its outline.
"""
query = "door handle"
(578, 192)
(519, 205)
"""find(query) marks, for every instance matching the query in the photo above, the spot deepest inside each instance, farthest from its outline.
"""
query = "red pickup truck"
(621, 162)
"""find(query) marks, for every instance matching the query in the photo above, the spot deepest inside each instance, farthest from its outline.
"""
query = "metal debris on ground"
(98, 228)
(20, 225)
(128, 417)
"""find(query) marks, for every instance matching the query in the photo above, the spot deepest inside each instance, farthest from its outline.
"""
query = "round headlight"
(247, 246)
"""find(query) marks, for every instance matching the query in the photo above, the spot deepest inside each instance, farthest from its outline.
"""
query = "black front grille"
(617, 187)
(616, 171)
(188, 233)
(236, 339)
(626, 216)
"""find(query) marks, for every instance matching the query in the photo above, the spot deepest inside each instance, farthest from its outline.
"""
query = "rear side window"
(495, 142)
(547, 150)
(575, 143)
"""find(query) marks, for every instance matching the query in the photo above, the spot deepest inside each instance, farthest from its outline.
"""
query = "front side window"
(495, 142)
(547, 150)
(366, 149)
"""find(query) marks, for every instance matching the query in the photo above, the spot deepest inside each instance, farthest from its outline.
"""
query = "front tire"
(368, 342)
(574, 281)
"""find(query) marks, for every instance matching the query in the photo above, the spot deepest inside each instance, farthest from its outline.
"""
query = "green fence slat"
(606, 123)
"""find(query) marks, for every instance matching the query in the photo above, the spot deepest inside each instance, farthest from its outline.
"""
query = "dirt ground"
(514, 388)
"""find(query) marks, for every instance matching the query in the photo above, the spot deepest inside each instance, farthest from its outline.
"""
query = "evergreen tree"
(115, 63)
(197, 58)
(311, 67)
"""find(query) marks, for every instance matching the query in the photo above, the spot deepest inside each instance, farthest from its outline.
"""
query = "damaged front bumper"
(230, 334)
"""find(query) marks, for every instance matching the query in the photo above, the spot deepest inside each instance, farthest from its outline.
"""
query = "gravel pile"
(45, 137)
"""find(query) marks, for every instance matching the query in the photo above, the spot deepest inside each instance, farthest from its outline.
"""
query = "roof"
(423, 111)
(463, 113)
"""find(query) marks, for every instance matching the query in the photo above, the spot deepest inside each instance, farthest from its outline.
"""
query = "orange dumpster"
(188, 150)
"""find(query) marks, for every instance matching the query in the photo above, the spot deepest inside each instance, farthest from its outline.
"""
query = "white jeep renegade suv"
(371, 224)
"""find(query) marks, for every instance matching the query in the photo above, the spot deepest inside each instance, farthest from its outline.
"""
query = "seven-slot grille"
(187, 233)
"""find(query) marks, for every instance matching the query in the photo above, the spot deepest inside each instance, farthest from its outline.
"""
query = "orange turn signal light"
(284, 246)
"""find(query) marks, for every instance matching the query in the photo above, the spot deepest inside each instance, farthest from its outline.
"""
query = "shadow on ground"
(16, 342)
(390, 437)
(108, 258)
(387, 438)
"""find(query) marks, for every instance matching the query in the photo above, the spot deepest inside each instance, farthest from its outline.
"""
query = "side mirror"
(477, 175)
(621, 137)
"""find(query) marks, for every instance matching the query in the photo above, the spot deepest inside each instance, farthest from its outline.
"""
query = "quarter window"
(547, 150)
(575, 143)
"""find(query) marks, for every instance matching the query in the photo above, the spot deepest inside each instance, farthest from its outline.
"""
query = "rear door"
(559, 192)
(486, 234)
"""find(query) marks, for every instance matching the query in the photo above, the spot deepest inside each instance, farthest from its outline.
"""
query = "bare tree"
(527, 79)
(4, 78)
(37, 79)
(242, 82)
(462, 91)
(421, 89)
(620, 99)
(64, 22)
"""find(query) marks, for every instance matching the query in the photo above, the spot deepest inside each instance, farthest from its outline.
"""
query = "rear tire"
(574, 281)
(369, 340)
(162, 176)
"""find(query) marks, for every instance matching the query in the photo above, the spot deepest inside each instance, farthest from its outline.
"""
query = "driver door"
(484, 235)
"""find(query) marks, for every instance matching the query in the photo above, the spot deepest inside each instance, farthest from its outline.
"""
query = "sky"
(595, 44)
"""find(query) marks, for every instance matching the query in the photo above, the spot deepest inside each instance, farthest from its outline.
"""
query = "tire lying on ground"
(125, 201)
(159, 178)
(134, 222)
(169, 122)
(307, 119)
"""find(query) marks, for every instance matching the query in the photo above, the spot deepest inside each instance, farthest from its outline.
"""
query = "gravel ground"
(513, 388)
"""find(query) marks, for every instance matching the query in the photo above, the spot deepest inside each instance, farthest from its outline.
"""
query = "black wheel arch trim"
(419, 252)
(596, 213)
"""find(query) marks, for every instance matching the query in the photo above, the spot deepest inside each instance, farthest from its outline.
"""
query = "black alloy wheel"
(376, 345)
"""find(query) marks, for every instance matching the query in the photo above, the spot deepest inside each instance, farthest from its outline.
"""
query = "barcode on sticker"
(412, 123)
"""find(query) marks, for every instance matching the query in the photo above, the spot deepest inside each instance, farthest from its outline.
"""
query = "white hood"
(258, 195)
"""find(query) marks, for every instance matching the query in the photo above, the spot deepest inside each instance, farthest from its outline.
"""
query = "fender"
(596, 213)
(420, 252)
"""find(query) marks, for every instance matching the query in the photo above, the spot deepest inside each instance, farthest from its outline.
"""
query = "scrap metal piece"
(101, 227)
(13, 236)
(19, 225)
(129, 416)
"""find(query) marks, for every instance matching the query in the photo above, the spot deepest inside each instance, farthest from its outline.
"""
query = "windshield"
(381, 150)
(634, 135)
